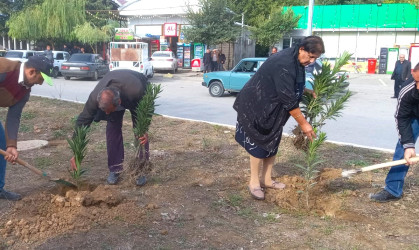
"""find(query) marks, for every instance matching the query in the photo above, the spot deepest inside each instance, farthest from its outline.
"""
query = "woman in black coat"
(266, 102)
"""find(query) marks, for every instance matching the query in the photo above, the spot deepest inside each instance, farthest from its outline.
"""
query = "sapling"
(143, 117)
(331, 88)
(78, 144)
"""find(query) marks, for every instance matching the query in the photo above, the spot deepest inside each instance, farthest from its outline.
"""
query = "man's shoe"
(113, 178)
(9, 195)
(383, 196)
(141, 181)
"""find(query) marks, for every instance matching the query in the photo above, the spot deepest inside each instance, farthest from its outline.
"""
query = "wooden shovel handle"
(388, 164)
(25, 164)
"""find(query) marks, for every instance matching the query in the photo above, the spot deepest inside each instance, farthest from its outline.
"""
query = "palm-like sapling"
(143, 117)
(78, 144)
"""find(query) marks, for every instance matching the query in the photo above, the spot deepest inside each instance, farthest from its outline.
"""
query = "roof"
(153, 7)
(360, 17)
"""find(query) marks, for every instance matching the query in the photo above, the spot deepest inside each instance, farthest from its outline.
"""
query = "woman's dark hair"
(312, 44)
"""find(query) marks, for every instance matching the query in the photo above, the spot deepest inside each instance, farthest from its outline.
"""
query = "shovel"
(39, 172)
(348, 173)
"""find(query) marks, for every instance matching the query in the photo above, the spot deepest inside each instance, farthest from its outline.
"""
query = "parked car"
(84, 65)
(59, 58)
(19, 55)
(164, 60)
(2, 52)
(234, 80)
(315, 68)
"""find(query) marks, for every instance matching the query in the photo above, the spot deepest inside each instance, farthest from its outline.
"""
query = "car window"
(80, 58)
(66, 56)
(59, 56)
(247, 66)
(161, 54)
(29, 54)
(14, 54)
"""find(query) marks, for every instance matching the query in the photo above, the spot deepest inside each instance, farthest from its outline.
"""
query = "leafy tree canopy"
(212, 24)
(270, 30)
(52, 20)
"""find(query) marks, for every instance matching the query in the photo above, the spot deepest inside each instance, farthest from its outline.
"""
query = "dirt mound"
(320, 199)
(46, 215)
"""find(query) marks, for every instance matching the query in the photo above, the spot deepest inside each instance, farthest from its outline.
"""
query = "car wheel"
(150, 74)
(55, 72)
(67, 77)
(95, 76)
(216, 89)
(174, 71)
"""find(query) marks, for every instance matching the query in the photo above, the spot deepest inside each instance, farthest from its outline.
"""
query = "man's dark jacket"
(207, 59)
(406, 70)
(407, 109)
(131, 86)
(264, 103)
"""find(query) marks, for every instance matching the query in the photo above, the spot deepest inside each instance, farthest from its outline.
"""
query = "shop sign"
(170, 29)
(124, 34)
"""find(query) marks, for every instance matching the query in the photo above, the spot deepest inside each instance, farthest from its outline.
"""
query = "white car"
(164, 60)
(19, 55)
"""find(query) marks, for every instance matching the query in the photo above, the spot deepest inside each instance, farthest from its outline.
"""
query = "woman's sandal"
(275, 185)
(256, 193)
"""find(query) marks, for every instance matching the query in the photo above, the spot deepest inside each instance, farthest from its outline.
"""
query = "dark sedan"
(84, 65)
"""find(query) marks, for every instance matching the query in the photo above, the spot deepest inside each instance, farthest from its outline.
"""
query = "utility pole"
(241, 38)
(310, 17)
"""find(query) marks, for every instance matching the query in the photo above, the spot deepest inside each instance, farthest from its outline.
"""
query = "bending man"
(117, 91)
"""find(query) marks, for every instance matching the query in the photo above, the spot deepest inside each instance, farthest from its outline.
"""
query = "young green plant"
(78, 144)
(143, 117)
(331, 88)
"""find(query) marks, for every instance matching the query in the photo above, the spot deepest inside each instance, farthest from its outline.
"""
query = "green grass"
(24, 128)
(27, 116)
(59, 134)
(235, 200)
(359, 163)
(43, 162)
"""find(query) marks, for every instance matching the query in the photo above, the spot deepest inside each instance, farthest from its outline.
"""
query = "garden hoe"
(39, 172)
(348, 173)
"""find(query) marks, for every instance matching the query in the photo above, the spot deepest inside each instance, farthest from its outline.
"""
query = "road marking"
(382, 82)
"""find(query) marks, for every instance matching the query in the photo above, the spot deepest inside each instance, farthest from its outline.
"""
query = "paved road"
(367, 121)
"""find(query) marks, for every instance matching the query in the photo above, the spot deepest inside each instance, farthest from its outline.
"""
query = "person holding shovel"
(16, 81)
(266, 102)
(407, 122)
(117, 91)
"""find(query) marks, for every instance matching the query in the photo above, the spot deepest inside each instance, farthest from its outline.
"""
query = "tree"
(8, 7)
(52, 20)
(270, 30)
(212, 24)
(91, 35)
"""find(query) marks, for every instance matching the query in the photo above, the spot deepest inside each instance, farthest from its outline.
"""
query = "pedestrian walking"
(207, 61)
(400, 74)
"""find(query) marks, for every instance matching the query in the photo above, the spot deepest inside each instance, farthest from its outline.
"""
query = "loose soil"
(196, 195)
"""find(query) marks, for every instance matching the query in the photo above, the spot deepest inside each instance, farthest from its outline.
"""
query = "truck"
(130, 55)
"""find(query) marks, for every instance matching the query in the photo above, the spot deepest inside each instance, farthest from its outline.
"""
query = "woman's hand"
(308, 130)
(310, 91)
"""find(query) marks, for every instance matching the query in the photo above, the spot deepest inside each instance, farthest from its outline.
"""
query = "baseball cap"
(43, 64)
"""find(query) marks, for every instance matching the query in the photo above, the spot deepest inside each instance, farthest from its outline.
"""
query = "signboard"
(124, 34)
(392, 57)
(170, 29)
